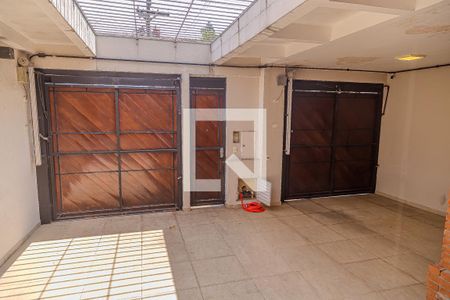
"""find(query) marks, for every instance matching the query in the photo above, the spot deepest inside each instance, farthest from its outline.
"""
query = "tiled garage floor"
(360, 247)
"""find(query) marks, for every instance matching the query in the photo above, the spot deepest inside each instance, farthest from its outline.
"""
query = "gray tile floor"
(359, 247)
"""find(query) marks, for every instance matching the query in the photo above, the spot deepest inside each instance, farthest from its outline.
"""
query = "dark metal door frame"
(335, 88)
(92, 79)
(211, 86)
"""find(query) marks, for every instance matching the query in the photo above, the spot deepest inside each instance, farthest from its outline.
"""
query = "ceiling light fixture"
(410, 57)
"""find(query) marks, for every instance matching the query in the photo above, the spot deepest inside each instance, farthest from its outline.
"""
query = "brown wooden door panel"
(208, 164)
(105, 147)
(345, 153)
(88, 163)
(85, 112)
(334, 139)
(310, 154)
(352, 175)
(309, 178)
(208, 134)
(140, 111)
(133, 141)
(311, 137)
(355, 111)
(205, 99)
(147, 161)
(354, 137)
(314, 112)
(209, 138)
(89, 192)
(84, 121)
(86, 142)
(148, 188)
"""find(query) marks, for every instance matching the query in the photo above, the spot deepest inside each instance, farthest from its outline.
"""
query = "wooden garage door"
(209, 93)
(114, 149)
(333, 140)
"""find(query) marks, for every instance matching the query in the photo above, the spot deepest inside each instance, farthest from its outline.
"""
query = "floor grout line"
(190, 261)
(395, 234)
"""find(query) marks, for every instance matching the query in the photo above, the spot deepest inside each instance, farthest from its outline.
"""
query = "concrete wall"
(257, 18)
(70, 16)
(273, 102)
(343, 76)
(19, 211)
(153, 50)
(415, 139)
(49, 26)
(242, 92)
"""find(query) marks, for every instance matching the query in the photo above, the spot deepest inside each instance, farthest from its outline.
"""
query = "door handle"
(222, 154)
(45, 138)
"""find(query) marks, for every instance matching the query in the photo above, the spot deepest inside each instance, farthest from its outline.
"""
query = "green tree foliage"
(208, 32)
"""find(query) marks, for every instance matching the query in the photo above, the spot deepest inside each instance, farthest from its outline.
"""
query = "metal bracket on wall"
(6, 53)
(337, 91)
(387, 87)
(287, 149)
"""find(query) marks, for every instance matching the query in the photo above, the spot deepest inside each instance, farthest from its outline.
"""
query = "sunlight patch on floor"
(117, 266)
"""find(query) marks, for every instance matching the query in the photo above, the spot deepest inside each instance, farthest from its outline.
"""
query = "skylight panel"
(191, 20)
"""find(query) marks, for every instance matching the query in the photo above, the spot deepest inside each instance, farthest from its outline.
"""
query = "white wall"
(273, 102)
(258, 17)
(242, 92)
(415, 139)
(153, 50)
(19, 211)
(342, 76)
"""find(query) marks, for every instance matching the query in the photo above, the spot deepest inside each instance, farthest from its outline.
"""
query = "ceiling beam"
(14, 39)
(82, 36)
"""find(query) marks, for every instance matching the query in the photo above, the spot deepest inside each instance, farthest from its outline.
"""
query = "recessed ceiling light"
(410, 57)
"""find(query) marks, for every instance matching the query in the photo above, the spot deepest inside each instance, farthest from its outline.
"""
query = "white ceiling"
(36, 26)
(356, 34)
